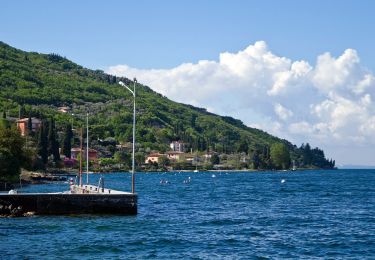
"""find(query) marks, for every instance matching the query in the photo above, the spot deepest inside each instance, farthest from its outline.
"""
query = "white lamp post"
(133, 160)
(87, 148)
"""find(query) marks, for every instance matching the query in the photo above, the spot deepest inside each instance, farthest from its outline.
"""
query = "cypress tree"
(67, 143)
(50, 137)
(22, 112)
(29, 125)
(43, 144)
(53, 144)
(4, 114)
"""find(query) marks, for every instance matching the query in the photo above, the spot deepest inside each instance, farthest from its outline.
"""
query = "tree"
(256, 159)
(215, 159)
(306, 153)
(280, 155)
(164, 161)
(12, 153)
(53, 143)
(43, 143)
(67, 143)
(123, 157)
(4, 114)
(265, 161)
(139, 159)
(22, 112)
(29, 125)
(243, 147)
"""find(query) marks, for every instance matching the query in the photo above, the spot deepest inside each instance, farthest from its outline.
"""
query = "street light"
(133, 160)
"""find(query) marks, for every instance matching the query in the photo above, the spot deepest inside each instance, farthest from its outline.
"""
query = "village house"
(207, 156)
(22, 124)
(63, 109)
(175, 155)
(153, 157)
(93, 154)
(177, 146)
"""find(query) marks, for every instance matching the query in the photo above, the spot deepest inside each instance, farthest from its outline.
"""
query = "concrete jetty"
(107, 202)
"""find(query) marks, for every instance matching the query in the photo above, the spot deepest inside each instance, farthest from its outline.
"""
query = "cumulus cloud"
(329, 103)
(282, 112)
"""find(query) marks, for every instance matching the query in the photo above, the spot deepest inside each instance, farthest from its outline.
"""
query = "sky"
(301, 70)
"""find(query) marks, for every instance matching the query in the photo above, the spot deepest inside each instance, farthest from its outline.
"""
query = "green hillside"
(41, 83)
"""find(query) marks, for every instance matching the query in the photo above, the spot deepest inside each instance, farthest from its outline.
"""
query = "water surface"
(241, 215)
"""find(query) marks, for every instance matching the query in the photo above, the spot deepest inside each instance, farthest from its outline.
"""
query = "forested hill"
(41, 83)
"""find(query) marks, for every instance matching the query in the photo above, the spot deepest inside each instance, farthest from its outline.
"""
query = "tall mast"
(87, 148)
(133, 161)
(80, 159)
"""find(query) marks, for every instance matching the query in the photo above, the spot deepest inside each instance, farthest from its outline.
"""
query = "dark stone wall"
(64, 204)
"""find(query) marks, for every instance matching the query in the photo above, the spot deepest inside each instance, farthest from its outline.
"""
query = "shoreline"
(51, 175)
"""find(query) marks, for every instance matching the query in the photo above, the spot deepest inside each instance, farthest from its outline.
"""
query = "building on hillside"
(128, 146)
(153, 157)
(93, 154)
(63, 109)
(177, 146)
(175, 155)
(189, 158)
(22, 124)
(207, 156)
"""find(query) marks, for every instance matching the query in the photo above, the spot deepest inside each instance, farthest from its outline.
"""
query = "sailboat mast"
(87, 148)
(133, 159)
(80, 159)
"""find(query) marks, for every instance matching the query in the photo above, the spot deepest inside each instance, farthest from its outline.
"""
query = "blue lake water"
(312, 214)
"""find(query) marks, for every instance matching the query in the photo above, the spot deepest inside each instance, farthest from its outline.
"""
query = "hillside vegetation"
(38, 84)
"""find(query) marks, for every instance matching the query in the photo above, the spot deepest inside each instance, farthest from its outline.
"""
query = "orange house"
(93, 154)
(154, 157)
(22, 125)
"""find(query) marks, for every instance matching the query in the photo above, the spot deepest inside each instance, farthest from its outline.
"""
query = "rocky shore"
(33, 177)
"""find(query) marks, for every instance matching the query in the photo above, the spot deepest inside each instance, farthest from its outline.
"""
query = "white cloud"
(329, 104)
(282, 112)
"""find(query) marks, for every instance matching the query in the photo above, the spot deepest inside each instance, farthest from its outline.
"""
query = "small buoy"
(213, 176)
(283, 180)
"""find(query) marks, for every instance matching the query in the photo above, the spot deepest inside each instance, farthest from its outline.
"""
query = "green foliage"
(53, 143)
(42, 146)
(67, 142)
(106, 161)
(29, 125)
(123, 157)
(13, 156)
(164, 161)
(41, 83)
(215, 159)
(243, 147)
(315, 157)
(280, 156)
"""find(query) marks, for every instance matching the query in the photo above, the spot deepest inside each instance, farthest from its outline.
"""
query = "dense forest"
(33, 84)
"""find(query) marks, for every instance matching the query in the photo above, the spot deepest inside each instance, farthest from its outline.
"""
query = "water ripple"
(313, 214)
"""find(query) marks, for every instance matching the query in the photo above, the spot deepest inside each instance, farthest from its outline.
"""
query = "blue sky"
(301, 70)
(164, 34)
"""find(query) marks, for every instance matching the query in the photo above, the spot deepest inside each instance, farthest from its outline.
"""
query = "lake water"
(311, 214)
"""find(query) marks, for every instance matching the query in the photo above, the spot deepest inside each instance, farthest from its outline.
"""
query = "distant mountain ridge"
(41, 83)
(359, 167)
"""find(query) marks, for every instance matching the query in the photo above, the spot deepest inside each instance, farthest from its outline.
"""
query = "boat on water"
(294, 168)
(80, 198)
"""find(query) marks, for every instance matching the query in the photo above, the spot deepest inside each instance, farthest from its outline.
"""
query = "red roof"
(155, 155)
